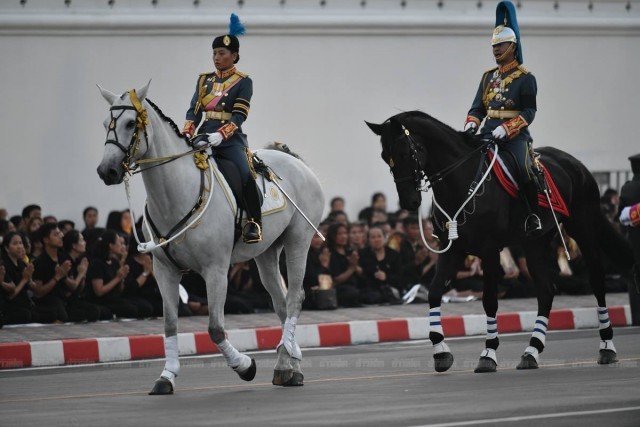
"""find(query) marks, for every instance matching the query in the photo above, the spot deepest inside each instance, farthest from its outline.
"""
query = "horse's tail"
(279, 146)
(614, 245)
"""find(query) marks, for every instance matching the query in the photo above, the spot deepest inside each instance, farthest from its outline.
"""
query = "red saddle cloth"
(557, 202)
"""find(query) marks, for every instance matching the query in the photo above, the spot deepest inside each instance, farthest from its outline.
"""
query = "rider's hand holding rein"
(499, 133)
(215, 139)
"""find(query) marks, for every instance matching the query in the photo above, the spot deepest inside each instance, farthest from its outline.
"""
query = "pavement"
(60, 344)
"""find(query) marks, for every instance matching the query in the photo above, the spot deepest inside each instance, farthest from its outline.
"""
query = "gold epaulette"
(524, 70)
(206, 73)
(241, 74)
(491, 70)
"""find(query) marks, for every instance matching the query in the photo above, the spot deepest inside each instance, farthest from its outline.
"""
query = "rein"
(420, 174)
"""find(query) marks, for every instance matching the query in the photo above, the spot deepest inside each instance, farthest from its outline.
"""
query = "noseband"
(141, 124)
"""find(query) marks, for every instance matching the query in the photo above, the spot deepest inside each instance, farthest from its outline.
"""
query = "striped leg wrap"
(540, 329)
(435, 324)
(492, 328)
(603, 317)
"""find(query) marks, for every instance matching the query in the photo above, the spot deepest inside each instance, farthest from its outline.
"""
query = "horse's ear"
(377, 129)
(142, 92)
(109, 96)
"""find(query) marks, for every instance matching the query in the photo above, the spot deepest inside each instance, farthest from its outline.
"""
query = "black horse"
(416, 146)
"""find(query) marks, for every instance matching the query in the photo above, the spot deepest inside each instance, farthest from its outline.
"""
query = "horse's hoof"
(282, 377)
(443, 361)
(297, 380)
(162, 386)
(486, 364)
(250, 373)
(527, 361)
(606, 357)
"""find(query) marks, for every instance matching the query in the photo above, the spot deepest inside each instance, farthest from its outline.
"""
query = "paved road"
(372, 385)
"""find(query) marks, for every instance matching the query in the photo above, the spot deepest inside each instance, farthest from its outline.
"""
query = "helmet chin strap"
(511, 47)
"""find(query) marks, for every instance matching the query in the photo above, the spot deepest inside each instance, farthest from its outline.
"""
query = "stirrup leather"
(251, 221)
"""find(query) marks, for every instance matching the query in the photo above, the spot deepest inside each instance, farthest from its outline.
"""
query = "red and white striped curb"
(77, 351)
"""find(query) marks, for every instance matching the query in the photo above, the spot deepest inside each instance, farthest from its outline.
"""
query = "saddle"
(504, 170)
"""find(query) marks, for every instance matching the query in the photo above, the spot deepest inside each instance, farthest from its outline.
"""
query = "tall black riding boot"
(252, 230)
(532, 224)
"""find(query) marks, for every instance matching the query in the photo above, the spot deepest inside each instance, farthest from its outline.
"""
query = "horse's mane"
(421, 115)
(279, 146)
(168, 120)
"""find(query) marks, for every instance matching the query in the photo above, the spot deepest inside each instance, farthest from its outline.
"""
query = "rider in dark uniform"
(222, 98)
(507, 99)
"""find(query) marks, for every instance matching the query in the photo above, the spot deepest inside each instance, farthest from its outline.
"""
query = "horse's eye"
(131, 124)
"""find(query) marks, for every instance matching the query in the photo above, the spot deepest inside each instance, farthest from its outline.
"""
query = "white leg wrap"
(532, 351)
(168, 375)
(289, 338)
(490, 353)
(441, 347)
(172, 364)
(235, 360)
(603, 317)
(607, 345)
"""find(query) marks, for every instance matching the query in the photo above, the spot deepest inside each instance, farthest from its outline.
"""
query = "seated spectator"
(317, 276)
(16, 220)
(90, 218)
(16, 281)
(28, 212)
(120, 221)
(336, 204)
(344, 266)
(65, 226)
(381, 270)
(247, 289)
(5, 227)
(50, 273)
(468, 280)
(357, 236)
(140, 285)
(517, 253)
(78, 307)
(106, 277)
(378, 201)
(196, 288)
(378, 216)
(572, 277)
(337, 216)
(510, 286)
(418, 263)
(50, 219)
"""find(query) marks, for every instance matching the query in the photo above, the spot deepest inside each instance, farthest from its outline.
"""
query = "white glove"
(470, 125)
(215, 139)
(187, 135)
(625, 217)
(201, 142)
(499, 132)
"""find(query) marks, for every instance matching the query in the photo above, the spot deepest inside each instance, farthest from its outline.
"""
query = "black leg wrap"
(436, 338)
(493, 343)
(606, 333)
(537, 344)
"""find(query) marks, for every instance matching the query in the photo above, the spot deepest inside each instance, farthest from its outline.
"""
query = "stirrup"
(532, 225)
(251, 239)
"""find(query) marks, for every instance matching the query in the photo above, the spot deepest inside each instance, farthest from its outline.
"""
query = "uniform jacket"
(223, 100)
(506, 96)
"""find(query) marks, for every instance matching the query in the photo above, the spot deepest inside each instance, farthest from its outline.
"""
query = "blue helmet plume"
(506, 15)
(235, 26)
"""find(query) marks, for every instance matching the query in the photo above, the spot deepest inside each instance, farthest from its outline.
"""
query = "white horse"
(173, 183)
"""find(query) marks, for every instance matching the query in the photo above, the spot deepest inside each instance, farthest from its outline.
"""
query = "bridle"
(141, 125)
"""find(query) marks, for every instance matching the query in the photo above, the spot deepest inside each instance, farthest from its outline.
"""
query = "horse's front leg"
(445, 270)
(492, 276)
(216, 278)
(539, 261)
(168, 278)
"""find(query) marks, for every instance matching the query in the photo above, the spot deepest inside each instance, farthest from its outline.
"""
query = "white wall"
(318, 74)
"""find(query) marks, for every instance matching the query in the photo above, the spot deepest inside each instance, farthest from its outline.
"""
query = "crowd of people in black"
(52, 272)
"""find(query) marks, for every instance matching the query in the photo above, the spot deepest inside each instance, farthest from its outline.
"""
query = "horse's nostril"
(112, 173)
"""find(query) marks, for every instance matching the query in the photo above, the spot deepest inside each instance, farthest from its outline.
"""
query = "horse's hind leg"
(216, 278)
(492, 276)
(539, 261)
(585, 237)
(168, 278)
